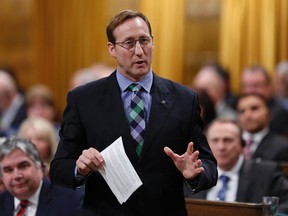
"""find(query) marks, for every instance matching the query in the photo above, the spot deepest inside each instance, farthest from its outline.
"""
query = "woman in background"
(42, 133)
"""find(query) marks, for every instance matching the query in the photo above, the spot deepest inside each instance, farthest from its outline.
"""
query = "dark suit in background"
(272, 147)
(257, 179)
(53, 201)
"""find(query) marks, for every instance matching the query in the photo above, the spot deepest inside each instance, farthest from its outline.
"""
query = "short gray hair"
(26, 146)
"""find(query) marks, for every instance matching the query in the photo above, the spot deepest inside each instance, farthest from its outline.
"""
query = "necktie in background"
(23, 205)
(222, 192)
(247, 149)
(136, 116)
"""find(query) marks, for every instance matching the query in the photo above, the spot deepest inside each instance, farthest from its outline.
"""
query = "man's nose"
(138, 48)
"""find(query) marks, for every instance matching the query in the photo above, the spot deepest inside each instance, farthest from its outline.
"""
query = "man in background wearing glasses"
(165, 145)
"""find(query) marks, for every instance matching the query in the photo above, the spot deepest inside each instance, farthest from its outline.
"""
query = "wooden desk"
(197, 207)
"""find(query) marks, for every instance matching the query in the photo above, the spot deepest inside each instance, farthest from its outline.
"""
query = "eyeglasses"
(130, 44)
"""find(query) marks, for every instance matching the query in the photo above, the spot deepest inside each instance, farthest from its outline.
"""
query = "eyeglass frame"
(121, 44)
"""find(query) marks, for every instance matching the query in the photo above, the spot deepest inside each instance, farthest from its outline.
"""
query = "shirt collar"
(257, 137)
(32, 200)
(235, 170)
(146, 82)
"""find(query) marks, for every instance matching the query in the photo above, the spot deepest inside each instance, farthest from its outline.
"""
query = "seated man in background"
(255, 79)
(261, 142)
(213, 79)
(27, 189)
(239, 179)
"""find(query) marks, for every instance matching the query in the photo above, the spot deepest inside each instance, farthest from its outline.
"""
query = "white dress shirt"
(233, 174)
(256, 137)
(32, 205)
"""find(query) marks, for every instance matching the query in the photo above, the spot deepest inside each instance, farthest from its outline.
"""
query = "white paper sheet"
(118, 171)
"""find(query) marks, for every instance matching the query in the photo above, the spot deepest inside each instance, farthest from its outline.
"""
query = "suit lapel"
(44, 198)
(161, 106)
(243, 186)
(113, 108)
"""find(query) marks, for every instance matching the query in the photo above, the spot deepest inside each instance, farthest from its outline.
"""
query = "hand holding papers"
(118, 171)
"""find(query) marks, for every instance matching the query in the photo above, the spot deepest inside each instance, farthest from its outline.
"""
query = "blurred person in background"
(2, 186)
(40, 102)
(261, 142)
(208, 113)
(40, 132)
(27, 189)
(240, 180)
(213, 79)
(281, 83)
(86, 75)
(255, 79)
(12, 106)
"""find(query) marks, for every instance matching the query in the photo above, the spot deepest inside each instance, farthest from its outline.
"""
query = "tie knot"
(135, 87)
(224, 179)
(24, 203)
(249, 142)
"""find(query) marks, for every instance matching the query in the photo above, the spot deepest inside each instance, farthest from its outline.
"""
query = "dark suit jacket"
(279, 117)
(257, 179)
(272, 147)
(53, 201)
(94, 117)
(16, 122)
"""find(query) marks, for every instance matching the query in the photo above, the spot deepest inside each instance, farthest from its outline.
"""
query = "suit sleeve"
(209, 177)
(72, 143)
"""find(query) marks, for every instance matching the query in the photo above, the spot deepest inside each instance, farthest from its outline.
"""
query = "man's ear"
(111, 49)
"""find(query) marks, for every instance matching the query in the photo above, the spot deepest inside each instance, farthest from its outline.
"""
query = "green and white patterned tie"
(136, 116)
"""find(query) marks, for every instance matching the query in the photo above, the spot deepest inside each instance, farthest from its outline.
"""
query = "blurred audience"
(40, 132)
(2, 187)
(281, 82)
(40, 102)
(240, 180)
(255, 79)
(208, 112)
(27, 188)
(85, 75)
(254, 119)
(12, 108)
(213, 79)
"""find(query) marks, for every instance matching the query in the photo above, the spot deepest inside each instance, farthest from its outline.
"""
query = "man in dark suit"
(255, 79)
(98, 113)
(254, 118)
(22, 173)
(248, 181)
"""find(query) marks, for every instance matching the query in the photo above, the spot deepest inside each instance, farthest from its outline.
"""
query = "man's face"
(136, 63)
(253, 114)
(224, 141)
(20, 175)
(207, 80)
(255, 82)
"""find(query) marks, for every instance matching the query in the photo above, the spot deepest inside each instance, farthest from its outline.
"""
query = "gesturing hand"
(188, 163)
(90, 160)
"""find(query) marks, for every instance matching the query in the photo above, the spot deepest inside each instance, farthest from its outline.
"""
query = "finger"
(96, 157)
(195, 155)
(170, 153)
(190, 148)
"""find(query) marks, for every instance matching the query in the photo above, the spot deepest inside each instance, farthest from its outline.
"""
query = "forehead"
(254, 76)
(15, 157)
(223, 129)
(251, 101)
(132, 27)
